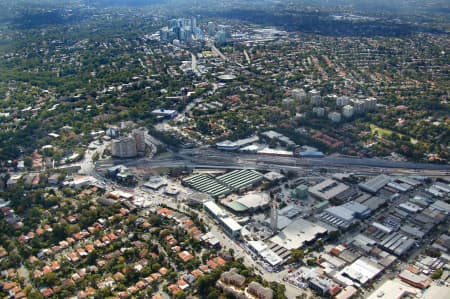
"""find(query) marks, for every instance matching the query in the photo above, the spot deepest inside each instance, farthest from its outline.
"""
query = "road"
(194, 64)
(212, 158)
(215, 50)
(247, 57)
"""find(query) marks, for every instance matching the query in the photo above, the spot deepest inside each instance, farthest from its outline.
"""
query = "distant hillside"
(105, 3)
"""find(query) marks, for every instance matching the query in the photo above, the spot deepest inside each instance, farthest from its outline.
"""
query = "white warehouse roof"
(231, 224)
(296, 234)
(214, 209)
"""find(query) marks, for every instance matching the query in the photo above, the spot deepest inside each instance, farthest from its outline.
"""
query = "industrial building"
(347, 293)
(290, 211)
(359, 210)
(308, 154)
(229, 225)
(227, 145)
(273, 176)
(198, 197)
(207, 184)
(263, 250)
(280, 137)
(400, 187)
(81, 181)
(300, 192)
(155, 183)
(375, 184)
(373, 203)
(220, 186)
(344, 215)
(282, 221)
(298, 233)
(239, 180)
(274, 152)
(235, 145)
(396, 243)
(249, 202)
(445, 188)
(362, 271)
(393, 289)
(327, 189)
(416, 280)
(409, 207)
(214, 210)
(324, 286)
(437, 292)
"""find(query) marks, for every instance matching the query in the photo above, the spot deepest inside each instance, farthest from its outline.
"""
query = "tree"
(35, 295)
(437, 274)
(278, 290)
(213, 294)
(72, 228)
(203, 284)
(49, 279)
(155, 267)
(334, 235)
(203, 126)
(180, 295)
(311, 262)
(433, 252)
(28, 162)
(297, 255)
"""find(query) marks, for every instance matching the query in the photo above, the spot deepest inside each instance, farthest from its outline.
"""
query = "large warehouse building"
(327, 189)
(249, 202)
(298, 233)
(207, 184)
(344, 215)
(375, 184)
(220, 186)
(239, 180)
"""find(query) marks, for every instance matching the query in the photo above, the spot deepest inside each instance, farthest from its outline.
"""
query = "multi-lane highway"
(207, 157)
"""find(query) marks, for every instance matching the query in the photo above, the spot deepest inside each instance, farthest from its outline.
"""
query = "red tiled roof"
(220, 261)
(174, 289)
(55, 265)
(9, 285)
(47, 292)
(212, 264)
(46, 270)
(89, 248)
(185, 256)
(163, 271)
(155, 276)
(196, 272)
